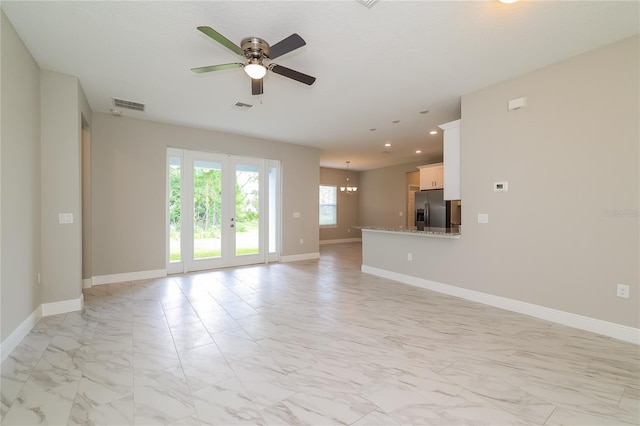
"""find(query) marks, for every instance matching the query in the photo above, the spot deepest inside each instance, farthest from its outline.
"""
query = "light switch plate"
(65, 218)
(483, 218)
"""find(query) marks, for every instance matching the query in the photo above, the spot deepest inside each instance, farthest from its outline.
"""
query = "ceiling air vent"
(368, 3)
(121, 103)
(242, 106)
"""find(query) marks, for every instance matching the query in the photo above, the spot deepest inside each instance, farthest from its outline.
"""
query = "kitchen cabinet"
(451, 157)
(431, 176)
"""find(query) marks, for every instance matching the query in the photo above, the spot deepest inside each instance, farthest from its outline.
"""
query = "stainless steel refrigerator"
(431, 210)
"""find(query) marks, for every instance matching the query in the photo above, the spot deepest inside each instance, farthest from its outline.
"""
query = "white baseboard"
(14, 339)
(86, 283)
(617, 331)
(297, 257)
(63, 306)
(27, 325)
(127, 276)
(341, 241)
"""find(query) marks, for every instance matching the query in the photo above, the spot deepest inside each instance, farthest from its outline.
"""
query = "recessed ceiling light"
(418, 151)
(395, 121)
(387, 144)
(433, 132)
(508, 1)
(424, 112)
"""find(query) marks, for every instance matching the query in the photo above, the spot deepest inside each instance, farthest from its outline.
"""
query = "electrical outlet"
(409, 257)
(301, 241)
(623, 291)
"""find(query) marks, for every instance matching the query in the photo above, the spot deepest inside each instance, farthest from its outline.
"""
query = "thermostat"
(500, 186)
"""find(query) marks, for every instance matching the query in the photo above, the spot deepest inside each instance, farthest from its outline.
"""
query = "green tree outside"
(207, 210)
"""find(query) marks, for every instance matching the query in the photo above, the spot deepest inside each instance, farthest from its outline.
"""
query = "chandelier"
(348, 189)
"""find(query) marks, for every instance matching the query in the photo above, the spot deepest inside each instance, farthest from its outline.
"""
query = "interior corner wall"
(87, 223)
(85, 184)
(128, 157)
(383, 194)
(19, 180)
(566, 232)
(61, 136)
(347, 205)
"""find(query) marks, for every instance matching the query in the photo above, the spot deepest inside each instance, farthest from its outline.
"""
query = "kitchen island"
(426, 259)
(453, 232)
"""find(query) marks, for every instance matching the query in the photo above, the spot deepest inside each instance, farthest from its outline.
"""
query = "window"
(328, 204)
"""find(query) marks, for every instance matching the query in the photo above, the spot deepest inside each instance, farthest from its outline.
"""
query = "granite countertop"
(453, 232)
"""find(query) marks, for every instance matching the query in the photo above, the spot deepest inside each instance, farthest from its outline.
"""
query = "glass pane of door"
(247, 215)
(175, 222)
(207, 209)
(273, 216)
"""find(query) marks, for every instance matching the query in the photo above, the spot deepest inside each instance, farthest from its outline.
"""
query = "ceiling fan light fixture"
(256, 51)
(255, 70)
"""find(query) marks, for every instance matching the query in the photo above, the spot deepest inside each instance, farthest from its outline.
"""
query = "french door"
(222, 210)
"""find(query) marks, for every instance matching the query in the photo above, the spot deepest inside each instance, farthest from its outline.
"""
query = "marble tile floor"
(312, 342)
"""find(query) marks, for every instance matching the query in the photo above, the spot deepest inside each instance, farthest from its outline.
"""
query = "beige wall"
(567, 230)
(87, 226)
(20, 181)
(383, 194)
(61, 136)
(347, 207)
(129, 185)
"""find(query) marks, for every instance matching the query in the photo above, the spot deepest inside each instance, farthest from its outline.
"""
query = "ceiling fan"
(258, 55)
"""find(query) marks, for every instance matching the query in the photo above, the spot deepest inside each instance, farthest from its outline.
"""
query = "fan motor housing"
(254, 47)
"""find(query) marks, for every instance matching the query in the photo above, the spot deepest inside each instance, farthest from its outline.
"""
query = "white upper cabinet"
(451, 151)
(431, 176)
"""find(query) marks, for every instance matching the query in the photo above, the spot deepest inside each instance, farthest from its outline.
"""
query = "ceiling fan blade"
(290, 43)
(296, 75)
(217, 67)
(256, 86)
(222, 40)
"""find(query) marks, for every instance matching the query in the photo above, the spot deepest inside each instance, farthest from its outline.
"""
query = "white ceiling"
(373, 65)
